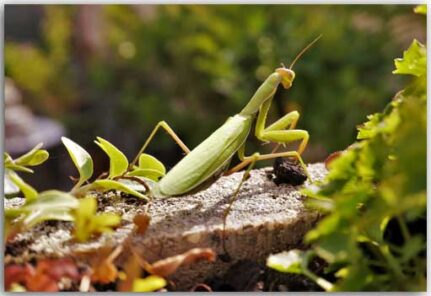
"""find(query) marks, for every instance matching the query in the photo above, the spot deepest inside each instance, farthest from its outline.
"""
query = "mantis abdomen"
(207, 158)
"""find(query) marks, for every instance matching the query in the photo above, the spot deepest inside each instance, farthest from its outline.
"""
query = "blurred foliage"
(373, 235)
(117, 70)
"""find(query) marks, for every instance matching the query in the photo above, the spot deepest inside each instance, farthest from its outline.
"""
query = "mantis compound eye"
(287, 77)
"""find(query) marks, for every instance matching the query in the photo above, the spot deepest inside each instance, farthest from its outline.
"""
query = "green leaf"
(287, 261)
(106, 185)
(149, 284)
(421, 9)
(334, 247)
(19, 168)
(10, 188)
(52, 199)
(88, 222)
(36, 217)
(34, 157)
(412, 248)
(147, 173)
(147, 161)
(413, 61)
(118, 161)
(29, 192)
(137, 186)
(7, 159)
(326, 226)
(9, 163)
(375, 230)
(81, 159)
(49, 205)
(149, 167)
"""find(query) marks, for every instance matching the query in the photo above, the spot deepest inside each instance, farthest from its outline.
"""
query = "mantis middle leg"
(170, 131)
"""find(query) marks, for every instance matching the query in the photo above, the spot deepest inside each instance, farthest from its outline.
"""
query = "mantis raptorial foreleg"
(282, 131)
(170, 131)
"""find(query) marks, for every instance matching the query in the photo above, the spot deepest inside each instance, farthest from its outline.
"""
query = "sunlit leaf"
(34, 157)
(10, 164)
(118, 161)
(52, 199)
(49, 205)
(105, 185)
(29, 192)
(146, 173)
(88, 222)
(286, 261)
(81, 159)
(149, 167)
(10, 188)
(149, 284)
(413, 61)
(7, 159)
(421, 9)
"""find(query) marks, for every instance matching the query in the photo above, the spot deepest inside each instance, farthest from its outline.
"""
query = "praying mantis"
(210, 159)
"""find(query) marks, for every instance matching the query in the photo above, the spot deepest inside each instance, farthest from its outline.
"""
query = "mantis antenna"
(304, 50)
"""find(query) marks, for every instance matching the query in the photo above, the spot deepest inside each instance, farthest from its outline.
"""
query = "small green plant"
(38, 207)
(88, 222)
(373, 235)
(65, 206)
(47, 205)
(149, 169)
(13, 182)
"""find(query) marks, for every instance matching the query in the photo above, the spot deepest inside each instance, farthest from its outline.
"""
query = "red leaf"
(17, 274)
(58, 268)
(169, 265)
(42, 278)
(332, 157)
(41, 282)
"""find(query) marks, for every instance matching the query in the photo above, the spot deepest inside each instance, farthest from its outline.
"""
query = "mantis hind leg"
(234, 196)
(170, 131)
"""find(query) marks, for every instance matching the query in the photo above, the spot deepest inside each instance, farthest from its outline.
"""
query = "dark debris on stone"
(288, 172)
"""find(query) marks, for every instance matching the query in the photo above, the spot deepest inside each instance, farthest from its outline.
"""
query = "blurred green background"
(115, 71)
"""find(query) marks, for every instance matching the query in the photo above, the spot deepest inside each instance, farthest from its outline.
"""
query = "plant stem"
(324, 284)
(392, 262)
(404, 229)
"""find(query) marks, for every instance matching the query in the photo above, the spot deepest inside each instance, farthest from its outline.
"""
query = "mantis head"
(287, 76)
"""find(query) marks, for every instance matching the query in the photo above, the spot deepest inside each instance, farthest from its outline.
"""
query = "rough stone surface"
(264, 219)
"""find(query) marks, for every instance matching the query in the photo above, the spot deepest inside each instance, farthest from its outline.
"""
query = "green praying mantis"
(210, 159)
